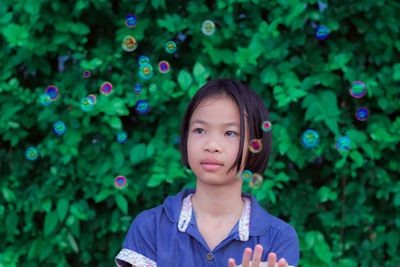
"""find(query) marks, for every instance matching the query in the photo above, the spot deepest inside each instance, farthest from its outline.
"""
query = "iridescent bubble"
(31, 153)
(130, 21)
(152, 87)
(246, 175)
(86, 73)
(106, 88)
(208, 27)
(92, 99)
(310, 138)
(146, 71)
(266, 126)
(322, 32)
(163, 66)
(52, 91)
(255, 145)
(343, 144)
(86, 104)
(129, 43)
(358, 89)
(138, 88)
(45, 99)
(120, 182)
(256, 181)
(362, 114)
(170, 47)
(142, 107)
(143, 60)
(122, 137)
(59, 128)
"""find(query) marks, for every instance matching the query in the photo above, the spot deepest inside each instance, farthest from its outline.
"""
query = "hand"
(257, 259)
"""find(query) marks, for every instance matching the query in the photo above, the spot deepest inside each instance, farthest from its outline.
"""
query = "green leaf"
(50, 223)
(79, 28)
(268, 76)
(62, 208)
(155, 180)
(73, 243)
(200, 73)
(396, 72)
(122, 203)
(104, 193)
(138, 154)
(116, 123)
(11, 222)
(184, 79)
(332, 124)
(8, 195)
(357, 157)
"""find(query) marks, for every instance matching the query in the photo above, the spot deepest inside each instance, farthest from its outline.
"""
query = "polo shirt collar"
(252, 222)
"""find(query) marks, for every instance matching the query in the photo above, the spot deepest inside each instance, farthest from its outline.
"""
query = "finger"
(271, 259)
(282, 263)
(258, 249)
(246, 257)
(231, 262)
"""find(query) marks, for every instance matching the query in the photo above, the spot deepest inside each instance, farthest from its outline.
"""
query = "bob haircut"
(248, 102)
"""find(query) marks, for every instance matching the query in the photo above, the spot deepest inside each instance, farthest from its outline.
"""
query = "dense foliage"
(62, 208)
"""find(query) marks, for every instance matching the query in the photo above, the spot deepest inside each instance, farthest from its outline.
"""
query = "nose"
(212, 147)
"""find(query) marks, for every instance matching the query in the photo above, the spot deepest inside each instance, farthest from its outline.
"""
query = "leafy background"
(62, 209)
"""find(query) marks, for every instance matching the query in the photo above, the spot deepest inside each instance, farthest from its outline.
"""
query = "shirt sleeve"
(139, 248)
(287, 245)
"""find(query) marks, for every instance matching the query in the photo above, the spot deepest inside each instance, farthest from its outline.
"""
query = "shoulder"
(148, 217)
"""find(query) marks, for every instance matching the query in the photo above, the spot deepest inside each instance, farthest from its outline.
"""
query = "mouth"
(211, 166)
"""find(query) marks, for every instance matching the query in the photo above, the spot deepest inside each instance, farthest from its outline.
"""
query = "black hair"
(248, 101)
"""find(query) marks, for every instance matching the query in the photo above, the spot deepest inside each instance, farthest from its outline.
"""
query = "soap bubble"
(129, 43)
(170, 47)
(45, 99)
(322, 32)
(362, 114)
(142, 107)
(92, 99)
(120, 182)
(86, 73)
(106, 88)
(310, 138)
(86, 104)
(122, 137)
(343, 144)
(31, 153)
(256, 181)
(138, 88)
(52, 91)
(59, 128)
(247, 175)
(163, 66)
(152, 87)
(130, 21)
(208, 27)
(146, 71)
(255, 145)
(358, 89)
(266, 126)
(143, 60)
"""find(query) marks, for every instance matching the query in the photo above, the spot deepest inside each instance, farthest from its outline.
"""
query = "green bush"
(62, 208)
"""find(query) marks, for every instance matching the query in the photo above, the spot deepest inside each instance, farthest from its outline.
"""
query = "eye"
(197, 130)
(232, 133)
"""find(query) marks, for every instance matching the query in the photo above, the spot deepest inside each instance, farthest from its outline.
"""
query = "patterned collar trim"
(244, 222)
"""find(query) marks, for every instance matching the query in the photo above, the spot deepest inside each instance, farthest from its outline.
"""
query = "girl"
(215, 224)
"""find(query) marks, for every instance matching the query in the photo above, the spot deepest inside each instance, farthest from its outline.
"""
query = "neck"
(218, 204)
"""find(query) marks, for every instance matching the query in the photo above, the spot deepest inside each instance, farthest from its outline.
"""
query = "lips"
(211, 164)
(211, 161)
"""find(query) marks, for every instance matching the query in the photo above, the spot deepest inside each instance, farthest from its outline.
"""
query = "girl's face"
(214, 133)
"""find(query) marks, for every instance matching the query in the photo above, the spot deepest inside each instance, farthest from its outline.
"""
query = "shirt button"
(210, 257)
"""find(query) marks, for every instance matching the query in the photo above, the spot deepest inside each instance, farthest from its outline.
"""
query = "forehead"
(218, 110)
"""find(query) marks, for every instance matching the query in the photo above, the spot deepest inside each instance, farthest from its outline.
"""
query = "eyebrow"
(204, 122)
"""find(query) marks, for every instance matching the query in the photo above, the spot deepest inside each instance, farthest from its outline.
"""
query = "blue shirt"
(167, 235)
